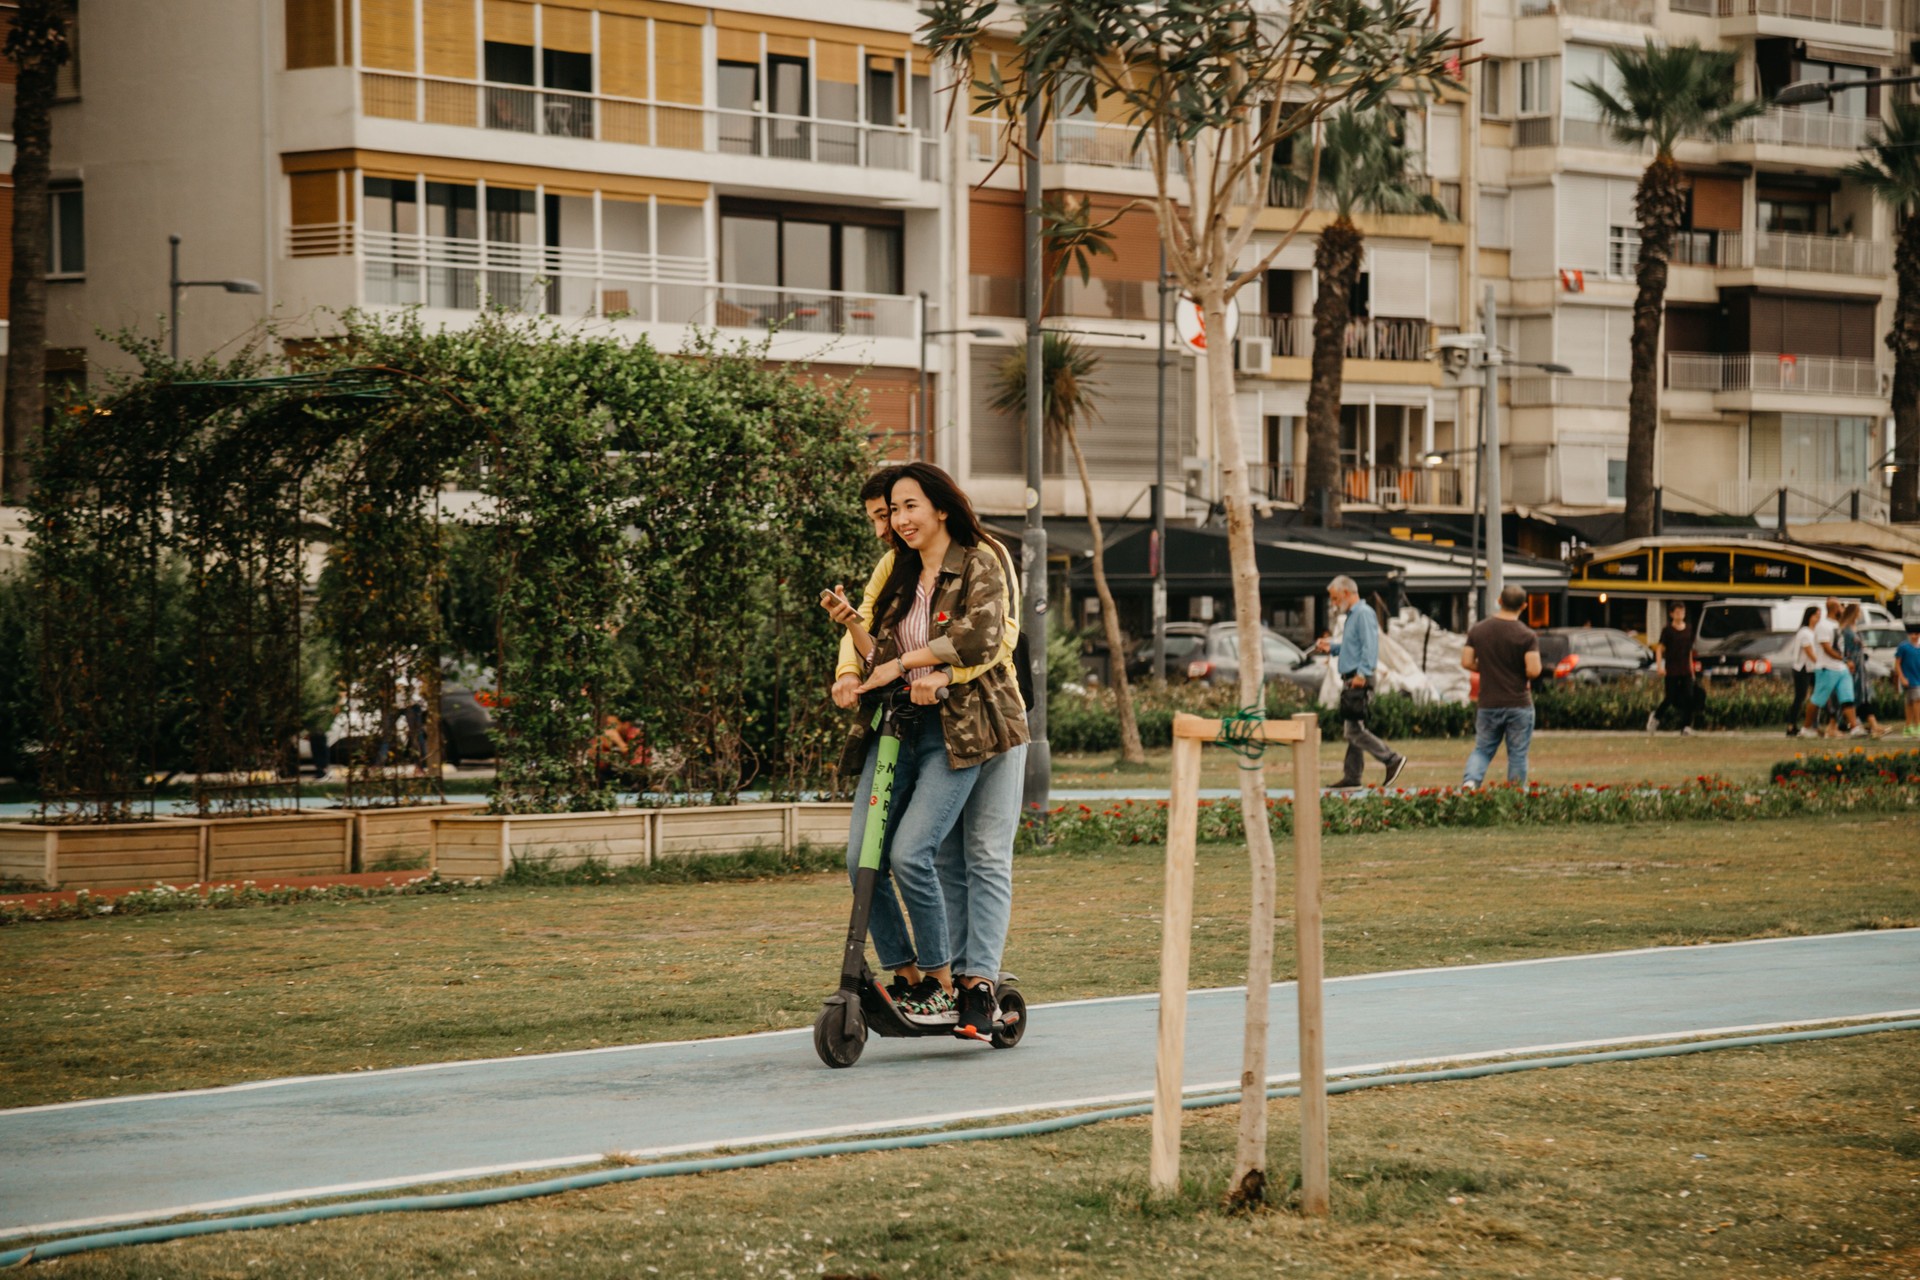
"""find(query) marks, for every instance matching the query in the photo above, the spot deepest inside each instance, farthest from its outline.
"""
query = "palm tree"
(37, 46)
(1891, 170)
(1664, 95)
(1068, 392)
(1363, 169)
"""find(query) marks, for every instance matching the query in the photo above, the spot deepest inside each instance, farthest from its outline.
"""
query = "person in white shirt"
(1832, 679)
(1800, 715)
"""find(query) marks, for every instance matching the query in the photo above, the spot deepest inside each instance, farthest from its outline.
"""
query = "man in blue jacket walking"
(1357, 655)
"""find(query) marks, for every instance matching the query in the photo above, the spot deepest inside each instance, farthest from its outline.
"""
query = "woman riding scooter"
(943, 605)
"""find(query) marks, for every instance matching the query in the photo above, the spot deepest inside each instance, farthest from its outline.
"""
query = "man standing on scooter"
(975, 858)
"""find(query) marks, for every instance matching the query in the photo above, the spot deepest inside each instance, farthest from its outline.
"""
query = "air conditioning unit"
(1254, 355)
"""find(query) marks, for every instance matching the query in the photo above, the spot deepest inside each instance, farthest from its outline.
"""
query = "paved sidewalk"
(124, 1160)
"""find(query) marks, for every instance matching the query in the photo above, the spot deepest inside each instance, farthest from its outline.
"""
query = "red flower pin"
(941, 618)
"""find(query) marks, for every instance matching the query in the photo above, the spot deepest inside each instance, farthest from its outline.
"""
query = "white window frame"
(55, 248)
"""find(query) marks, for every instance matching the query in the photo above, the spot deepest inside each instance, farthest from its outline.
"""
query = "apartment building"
(648, 167)
(1774, 372)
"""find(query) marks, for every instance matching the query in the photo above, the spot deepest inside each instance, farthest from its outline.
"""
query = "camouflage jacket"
(984, 717)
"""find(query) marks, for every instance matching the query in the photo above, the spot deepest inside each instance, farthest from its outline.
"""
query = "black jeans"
(1680, 696)
(1802, 686)
(1361, 743)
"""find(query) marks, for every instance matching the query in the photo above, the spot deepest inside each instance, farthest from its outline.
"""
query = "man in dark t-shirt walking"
(1675, 648)
(1506, 653)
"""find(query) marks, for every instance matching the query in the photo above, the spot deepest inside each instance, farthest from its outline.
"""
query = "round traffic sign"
(1192, 325)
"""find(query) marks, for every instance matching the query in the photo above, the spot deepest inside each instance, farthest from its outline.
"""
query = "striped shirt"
(912, 631)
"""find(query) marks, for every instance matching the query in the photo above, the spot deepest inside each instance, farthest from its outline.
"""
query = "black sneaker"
(1394, 770)
(929, 1004)
(899, 989)
(977, 1010)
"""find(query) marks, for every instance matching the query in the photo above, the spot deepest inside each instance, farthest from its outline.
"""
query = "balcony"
(1841, 13)
(1806, 500)
(1635, 12)
(639, 122)
(1785, 127)
(1390, 486)
(466, 275)
(1793, 251)
(1773, 372)
(1368, 337)
(1534, 391)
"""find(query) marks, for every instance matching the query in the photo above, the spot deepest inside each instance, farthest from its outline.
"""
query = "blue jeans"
(976, 866)
(928, 794)
(1491, 724)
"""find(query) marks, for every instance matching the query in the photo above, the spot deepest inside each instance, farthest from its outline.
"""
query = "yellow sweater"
(850, 664)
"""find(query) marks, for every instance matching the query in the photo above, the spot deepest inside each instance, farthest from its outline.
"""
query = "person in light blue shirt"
(1356, 658)
(1906, 678)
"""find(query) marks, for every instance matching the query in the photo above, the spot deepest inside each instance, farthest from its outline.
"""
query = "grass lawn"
(1555, 757)
(104, 1005)
(1793, 1161)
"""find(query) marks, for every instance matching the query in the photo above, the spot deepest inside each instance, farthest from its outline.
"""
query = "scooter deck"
(884, 1017)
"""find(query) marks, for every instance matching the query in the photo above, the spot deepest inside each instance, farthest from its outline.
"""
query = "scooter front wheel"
(1012, 1022)
(838, 1044)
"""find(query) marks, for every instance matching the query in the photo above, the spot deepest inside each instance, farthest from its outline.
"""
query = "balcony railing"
(1841, 13)
(1384, 485)
(1103, 299)
(640, 122)
(1784, 126)
(1705, 7)
(1368, 337)
(1638, 12)
(1533, 390)
(464, 275)
(1533, 131)
(1806, 499)
(1793, 251)
(1772, 371)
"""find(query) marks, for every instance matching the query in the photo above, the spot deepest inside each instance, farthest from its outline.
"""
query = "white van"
(1722, 618)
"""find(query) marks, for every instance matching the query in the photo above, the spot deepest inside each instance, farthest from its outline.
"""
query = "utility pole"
(1033, 611)
(1160, 486)
(1490, 468)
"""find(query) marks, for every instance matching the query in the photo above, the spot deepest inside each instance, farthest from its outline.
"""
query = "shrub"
(1854, 767)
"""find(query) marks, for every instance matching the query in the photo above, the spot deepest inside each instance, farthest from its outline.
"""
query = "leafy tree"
(37, 47)
(1891, 169)
(1068, 394)
(1364, 168)
(1665, 93)
(1212, 88)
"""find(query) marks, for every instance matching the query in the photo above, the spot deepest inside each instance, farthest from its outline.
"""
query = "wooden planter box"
(280, 844)
(487, 845)
(402, 833)
(111, 855)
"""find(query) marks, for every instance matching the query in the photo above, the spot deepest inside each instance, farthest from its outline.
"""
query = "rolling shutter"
(567, 30)
(678, 62)
(623, 56)
(386, 34)
(1583, 215)
(509, 22)
(314, 198)
(738, 46)
(994, 235)
(448, 37)
(313, 33)
(839, 63)
(1443, 287)
(1398, 278)
(1716, 204)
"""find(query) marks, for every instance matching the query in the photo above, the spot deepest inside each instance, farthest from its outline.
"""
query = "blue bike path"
(147, 1157)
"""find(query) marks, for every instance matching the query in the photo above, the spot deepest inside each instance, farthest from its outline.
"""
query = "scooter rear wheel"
(1012, 1023)
(830, 1041)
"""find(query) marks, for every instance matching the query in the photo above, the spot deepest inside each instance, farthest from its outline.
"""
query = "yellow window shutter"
(738, 46)
(315, 198)
(679, 62)
(447, 27)
(386, 34)
(839, 63)
(313, 38)
(623, 56)
(568, 30)
(509, 22)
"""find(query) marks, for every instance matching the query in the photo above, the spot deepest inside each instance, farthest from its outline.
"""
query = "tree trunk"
(1336, 262)
(1250, 1159)
(1659, 204)
(1904, 340)
(37, 45)
(1130, 749)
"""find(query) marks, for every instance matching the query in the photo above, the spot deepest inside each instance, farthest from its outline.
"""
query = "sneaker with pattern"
(929, 1004)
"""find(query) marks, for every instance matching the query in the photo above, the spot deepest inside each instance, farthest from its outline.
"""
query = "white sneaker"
(1859, 731)
(1653, 722)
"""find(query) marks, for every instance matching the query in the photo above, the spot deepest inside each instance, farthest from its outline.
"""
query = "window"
(801, 249)
(1492, 72)
(1536, 87)
(391, 206)
(1623, 251)
(1616, 477)
(1492, 228)
(1804, 217)
(66, 234)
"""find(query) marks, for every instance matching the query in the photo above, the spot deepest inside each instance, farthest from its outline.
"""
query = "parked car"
(1880, 642)
(1721, 619)
(466, 726)
(1588, 655)
(1218, 661)
(1748, 653)
(1184, 641)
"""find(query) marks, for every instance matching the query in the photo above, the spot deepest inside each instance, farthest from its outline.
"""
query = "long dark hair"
(963, 526)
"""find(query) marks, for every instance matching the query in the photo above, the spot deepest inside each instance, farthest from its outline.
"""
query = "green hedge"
(1087, 722)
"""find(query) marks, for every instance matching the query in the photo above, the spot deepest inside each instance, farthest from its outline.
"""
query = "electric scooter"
(862, 1004)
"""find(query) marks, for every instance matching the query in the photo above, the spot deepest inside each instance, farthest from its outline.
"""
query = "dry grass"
(1794, 1161)
(104, 1006)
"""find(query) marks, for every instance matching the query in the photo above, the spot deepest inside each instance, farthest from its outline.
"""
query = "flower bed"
(1856, 766)
(1145, 821)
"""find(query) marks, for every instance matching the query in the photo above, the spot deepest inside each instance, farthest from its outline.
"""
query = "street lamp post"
(175, 284)
(923, 429)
